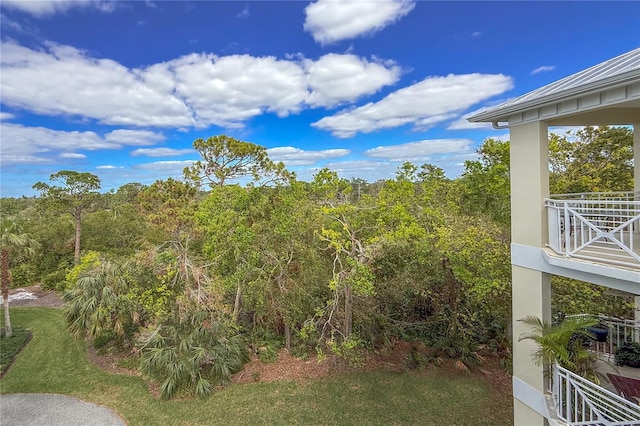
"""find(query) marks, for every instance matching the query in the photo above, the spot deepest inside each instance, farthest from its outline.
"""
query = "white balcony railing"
(620, 331)
(580, 402)
(599, 227)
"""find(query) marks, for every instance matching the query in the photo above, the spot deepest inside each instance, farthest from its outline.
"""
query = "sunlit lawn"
(54, 362)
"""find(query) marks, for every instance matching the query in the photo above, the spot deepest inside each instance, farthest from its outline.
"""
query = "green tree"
(225, 159)
(486, 183)
(562, 343)
(100, 307)
(74, 192)
(599, 160)
(170, 205)
(13, 242)
(345, 234)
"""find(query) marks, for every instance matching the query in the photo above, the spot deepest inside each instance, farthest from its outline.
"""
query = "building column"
(531, 289)
(636, 157)
(636, 187)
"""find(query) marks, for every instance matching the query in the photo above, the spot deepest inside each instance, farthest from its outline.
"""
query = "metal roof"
(620, 70)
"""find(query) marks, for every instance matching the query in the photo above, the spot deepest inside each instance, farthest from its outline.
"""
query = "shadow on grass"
(10, 347)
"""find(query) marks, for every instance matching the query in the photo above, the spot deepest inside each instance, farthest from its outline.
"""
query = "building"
(590, 237)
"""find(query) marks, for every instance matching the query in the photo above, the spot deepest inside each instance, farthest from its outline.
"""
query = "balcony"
(596, 227)
(577, 401)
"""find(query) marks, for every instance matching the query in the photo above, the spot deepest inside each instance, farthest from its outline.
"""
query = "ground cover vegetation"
(193, 276)
(55, 362)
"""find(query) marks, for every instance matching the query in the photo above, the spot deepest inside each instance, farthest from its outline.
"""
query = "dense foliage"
(191, 273)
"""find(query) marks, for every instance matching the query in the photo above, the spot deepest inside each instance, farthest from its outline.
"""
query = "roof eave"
(499, 114)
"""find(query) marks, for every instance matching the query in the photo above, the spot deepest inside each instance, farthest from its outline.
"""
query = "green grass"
(11, 346)
(54, 362)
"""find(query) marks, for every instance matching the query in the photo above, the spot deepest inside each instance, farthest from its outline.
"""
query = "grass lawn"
(54, 362)
(11, 346)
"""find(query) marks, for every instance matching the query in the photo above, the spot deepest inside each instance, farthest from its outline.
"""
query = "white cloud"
(364, 169)
(334, 78)
(329, 21)
(44, 8)
(291, 156)
(544, 68)
(505, 137)
(228, 90)
(165, 168)
(40, 81)
(24, 145)
(463, 124)
(134, 137)
(74, 155)
(6, 116)
(423, 104)
(193, 90)
(421, 151)
(566, 131)
(108, 167)
(9, 24)
(161, 152)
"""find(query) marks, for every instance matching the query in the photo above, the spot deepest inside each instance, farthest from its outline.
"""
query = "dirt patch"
(34, 296)
(109, 362)
(289, 368)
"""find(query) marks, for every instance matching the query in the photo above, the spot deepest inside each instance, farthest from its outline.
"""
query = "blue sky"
(122, 89)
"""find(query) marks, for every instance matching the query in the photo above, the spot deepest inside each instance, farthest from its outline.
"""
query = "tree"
(13, 241)
(170, 205)
(74, 193)
(346, 234)
(486, 182)
(562, 343)
(98, 304)
(225, 158)
(600, 160)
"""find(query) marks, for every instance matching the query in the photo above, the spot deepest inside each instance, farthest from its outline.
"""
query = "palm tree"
(562, 343)
(12, 241)
(99, 304)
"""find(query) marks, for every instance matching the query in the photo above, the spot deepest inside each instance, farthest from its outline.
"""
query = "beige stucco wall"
(636, 187)
(636, 157)
(531, 289)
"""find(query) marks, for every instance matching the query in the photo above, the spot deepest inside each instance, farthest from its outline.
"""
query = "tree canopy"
(242, 252)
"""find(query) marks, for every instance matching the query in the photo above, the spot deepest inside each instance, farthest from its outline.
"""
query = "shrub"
(265, 345)
(55, 280)
(24, 274)
(193, 353)
(628, 354)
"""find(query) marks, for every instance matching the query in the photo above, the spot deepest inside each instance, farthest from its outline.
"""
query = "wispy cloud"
(44, 8)
(72, 155)
(25, 145)
(424, 104)
(291, 156)
(161, 152)
(244, 13)
(543, 68)
(423, 150)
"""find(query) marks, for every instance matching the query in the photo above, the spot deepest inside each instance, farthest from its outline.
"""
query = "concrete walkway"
(35, 409)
